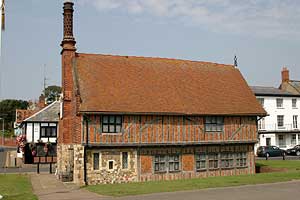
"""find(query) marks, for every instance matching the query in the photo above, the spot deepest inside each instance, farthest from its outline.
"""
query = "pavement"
(47, 187)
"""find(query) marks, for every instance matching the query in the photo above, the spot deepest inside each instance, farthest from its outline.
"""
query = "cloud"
(266, 18)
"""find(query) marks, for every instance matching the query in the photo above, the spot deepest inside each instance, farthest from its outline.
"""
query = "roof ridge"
(158, 58)
(42, 110)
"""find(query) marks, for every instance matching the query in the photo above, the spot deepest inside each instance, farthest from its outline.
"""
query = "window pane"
(118, 119)
(111, 128)
(208, 120)
(105, 128)
(118, 129)
(43, 132)
(105, 119)
(220, 120)
(111, 119)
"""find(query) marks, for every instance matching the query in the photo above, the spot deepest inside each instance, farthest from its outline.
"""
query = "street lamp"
(2, 130)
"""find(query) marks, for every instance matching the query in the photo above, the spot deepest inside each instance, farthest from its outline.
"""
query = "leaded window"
(241, 159)
(96, 161)
(167, 163)
(201, 161)
(213, 161)
(173, 163)
(124, 160)
(111, 124)
(227, 160)
(160, 163)
(214, 124)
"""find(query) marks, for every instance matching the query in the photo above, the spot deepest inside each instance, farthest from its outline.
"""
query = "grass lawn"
(211, 182)
(16, 187)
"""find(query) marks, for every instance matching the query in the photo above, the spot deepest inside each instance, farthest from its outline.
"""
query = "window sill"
(160, 172)
(227, 168)
(201, 170)
(279, 107)
(242, 167)
(111, 133)
(176, 171)
(213, 169)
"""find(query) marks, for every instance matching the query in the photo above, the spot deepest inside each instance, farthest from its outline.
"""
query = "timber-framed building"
(127, 118)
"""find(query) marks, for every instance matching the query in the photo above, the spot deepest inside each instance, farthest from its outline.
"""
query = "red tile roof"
(127, 84)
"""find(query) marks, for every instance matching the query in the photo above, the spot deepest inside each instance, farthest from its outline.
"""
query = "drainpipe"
(84, 151)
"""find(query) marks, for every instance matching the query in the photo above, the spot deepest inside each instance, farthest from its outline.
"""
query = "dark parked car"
(270, 151)
(294, 151)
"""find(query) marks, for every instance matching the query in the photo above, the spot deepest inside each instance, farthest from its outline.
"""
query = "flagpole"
(2, 27)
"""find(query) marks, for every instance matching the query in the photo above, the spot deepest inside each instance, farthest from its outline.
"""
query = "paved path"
(47, 187)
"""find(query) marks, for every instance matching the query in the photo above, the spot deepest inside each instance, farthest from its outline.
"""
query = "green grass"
(201, 183)
(16, 187)
(287, 164)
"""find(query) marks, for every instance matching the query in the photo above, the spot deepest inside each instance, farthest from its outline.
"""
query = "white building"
(281, 127)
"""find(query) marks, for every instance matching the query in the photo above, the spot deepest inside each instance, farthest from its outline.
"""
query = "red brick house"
(127, 118)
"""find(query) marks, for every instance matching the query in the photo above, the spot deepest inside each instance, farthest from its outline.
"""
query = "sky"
(263, 34)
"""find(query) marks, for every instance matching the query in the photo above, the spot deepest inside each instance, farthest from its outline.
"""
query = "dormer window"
(279, 103)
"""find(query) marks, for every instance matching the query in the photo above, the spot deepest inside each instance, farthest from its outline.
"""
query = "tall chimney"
(68, 42)
(285, 77)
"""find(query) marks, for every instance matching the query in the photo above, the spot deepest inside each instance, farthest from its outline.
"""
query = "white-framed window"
(294, 103)
(280, 121)
(110, 165)
(279, 103)
(295, 121)
(281, 141)
(261, 124)
(298, 138)
(293, 139)
(261, 101)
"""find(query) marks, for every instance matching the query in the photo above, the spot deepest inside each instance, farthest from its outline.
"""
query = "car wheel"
(298, 153)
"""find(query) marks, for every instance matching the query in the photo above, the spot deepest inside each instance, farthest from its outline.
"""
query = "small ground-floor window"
(124, 160)
(96, 161)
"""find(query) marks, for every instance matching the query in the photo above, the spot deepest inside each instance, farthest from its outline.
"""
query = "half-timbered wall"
(148, 129)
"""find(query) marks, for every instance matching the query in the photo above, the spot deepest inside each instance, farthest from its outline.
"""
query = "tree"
(8, 111)
(52, 93)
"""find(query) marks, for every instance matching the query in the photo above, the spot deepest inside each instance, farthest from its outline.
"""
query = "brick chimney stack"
(68, 120)
(285, 77)
(68, 42)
